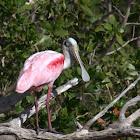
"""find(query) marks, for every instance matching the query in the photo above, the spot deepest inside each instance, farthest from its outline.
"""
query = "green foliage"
(21, 36)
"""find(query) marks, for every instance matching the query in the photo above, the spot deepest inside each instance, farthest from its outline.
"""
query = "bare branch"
(26, 134)
(132, 102)
(8, 103)
(133, 117)
(119, 11)
(133, 23)
(133, 35)
(28, 112)
(127, 13)
(99, 115)
(136, 38)
(78, 125)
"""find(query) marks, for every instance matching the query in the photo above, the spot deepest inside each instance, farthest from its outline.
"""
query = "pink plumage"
(43, 68)
(40, 69)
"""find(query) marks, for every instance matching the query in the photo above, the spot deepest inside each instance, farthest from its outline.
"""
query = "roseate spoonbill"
(43, 68)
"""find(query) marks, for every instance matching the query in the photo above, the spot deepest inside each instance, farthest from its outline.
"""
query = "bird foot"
(48, 130)
(52, 131)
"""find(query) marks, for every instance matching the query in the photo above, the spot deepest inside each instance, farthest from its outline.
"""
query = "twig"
(99, 115)
(133, 23)
(32, 14)
(133, 35)
(136, 38)
(127, 13)
(119, 11)
(108, 91)
(77, 124)
(20, 38)
(92, 55)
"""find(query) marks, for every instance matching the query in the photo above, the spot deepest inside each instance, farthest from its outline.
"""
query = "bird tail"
(23, 83)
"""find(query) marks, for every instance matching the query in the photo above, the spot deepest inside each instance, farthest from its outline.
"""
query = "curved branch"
(133, 23)
(91, 121)
(132, 39)
(8, 103)
(127, 13)
(133, 117)
(132, 102)
(28, 112)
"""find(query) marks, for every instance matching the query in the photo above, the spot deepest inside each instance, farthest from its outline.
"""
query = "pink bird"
(43, 68)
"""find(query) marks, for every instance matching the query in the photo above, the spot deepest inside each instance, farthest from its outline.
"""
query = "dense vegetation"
(43, 25)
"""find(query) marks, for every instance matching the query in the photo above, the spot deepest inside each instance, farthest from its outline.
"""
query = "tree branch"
(28, 112)
(132, 102)
(8, 103)
(118, 11)
(136, 38)
(99, 115)
(26, 134)
(127, 13)
(123, 122)
(133, 23)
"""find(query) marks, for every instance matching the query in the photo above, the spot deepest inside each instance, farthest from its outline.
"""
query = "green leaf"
(19, 28)
(130, 66)
(134, 73)
(30, 99)
(121, 30)
(52, 12)
(90, 47)
(110, 74)
(107, 26)
(2, 115)
(112, 20)
(80, 35)
(86, 10)
(119, 39)
(18, 110)
(85, 2)
(64, 111)
(61, 32)
(108, 82)
(43, 39)
(24, 8)
(99, 28)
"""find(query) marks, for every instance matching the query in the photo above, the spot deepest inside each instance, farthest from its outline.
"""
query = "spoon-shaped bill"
(85, 75)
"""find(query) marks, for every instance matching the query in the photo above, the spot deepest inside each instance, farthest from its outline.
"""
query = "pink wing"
(40, 69)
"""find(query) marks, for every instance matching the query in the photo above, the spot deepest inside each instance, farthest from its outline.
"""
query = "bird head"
(70, 45)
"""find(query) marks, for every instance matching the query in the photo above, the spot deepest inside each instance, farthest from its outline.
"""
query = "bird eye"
(70, 44)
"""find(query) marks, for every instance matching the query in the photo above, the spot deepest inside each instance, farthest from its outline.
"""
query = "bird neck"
(68, 58)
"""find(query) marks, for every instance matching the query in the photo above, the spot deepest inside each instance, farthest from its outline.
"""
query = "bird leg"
(48, 110)
(36, 106)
